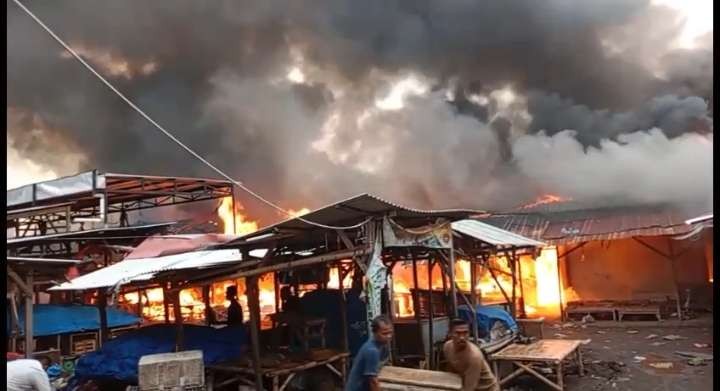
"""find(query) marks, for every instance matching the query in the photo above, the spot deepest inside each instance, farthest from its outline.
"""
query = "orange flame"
(296, 213)
(546, 199)
(241, 226)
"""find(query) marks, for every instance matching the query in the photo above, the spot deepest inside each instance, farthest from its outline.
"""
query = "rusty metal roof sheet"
(595, 224)
(493, 235)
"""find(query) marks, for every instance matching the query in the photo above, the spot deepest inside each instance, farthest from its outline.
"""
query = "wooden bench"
(652, 310)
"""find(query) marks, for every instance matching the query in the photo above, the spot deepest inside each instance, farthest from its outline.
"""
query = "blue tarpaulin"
(326, 304)
(53, 319)
(487, 316)
(118, 358)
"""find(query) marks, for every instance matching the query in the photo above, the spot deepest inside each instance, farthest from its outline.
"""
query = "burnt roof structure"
(578, 226)
(56, 205)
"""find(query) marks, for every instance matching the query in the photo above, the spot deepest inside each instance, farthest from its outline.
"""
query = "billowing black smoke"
(215, 74)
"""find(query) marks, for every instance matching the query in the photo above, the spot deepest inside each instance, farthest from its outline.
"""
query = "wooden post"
(431, 345)
(177, 310)
(102, 310)
(416, 301)
(343, 312)
(139, 306)
(473, 298)
(522, 290)
(254, 309)
(206, 301)
(453, 291)
(510, 257)
(166, 307)
(671, 257)
(560, 287)
(29, 318)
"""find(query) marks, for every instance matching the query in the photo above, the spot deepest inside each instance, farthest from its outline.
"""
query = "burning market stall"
(618, 262)
(344, 251)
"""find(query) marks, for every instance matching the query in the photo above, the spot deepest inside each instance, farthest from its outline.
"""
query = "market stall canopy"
(493, 235)
(162, 245)
(144, 269)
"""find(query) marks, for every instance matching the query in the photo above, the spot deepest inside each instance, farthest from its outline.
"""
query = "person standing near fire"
(466, 359)
(371, 357)
(234, 312)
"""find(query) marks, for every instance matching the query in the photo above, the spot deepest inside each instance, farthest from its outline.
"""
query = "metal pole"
(675, 280)
(233, 211)
(560, 288)
(180, 335)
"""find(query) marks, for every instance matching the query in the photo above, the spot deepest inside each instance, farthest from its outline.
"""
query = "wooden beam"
(254, 309)
(27, 289)
(430, 315)
(346, 241)
(343, 310)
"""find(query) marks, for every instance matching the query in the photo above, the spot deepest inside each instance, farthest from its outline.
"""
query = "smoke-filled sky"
(430, 103)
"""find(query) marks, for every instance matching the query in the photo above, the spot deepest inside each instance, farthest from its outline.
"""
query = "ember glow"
(242, 225)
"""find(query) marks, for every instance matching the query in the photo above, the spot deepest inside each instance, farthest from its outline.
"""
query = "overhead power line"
(167, 133)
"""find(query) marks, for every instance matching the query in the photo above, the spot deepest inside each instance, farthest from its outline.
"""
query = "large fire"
(540, 283)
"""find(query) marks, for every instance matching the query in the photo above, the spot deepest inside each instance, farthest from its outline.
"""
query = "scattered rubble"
(703, 356)
(661, 365)
(632, 331)
(673, 337)
(651, 336)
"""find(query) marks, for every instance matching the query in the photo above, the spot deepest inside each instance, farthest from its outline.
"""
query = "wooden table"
(545, 351)
(410, 379)
(280, 370)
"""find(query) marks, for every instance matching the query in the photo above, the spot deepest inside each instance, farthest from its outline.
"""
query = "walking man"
(371, 357)
(465, 359)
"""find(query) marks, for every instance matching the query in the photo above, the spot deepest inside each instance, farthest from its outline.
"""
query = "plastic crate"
(168, 371)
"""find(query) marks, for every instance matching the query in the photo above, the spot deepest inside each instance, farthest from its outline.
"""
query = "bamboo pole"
(102, 310)
(473, 297)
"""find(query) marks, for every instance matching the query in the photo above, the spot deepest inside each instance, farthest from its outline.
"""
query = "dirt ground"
(635, 356)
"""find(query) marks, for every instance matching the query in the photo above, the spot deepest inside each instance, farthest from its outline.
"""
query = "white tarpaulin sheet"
(80, 183)
(376, 281)
(143, 269)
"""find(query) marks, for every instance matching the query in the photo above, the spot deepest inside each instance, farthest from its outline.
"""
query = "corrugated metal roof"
(597, 224)
(355, 210)
(708, 218)
(493, 235)
(143, 269)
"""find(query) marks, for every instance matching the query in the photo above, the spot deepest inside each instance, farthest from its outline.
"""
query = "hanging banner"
(376, 281)
(437, 235)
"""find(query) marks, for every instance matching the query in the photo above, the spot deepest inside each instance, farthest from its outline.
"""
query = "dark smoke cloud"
(213, 72)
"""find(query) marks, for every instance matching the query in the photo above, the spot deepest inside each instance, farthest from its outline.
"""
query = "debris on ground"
(673, 337)
(661, 365)
(632, 331)
(696, 362)
(588, 319)
(701, 345)
(558, 335)
(651, 336)
(639, 358)
(585, 341)
(600, 332)
(658, 343)
(703, 356)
